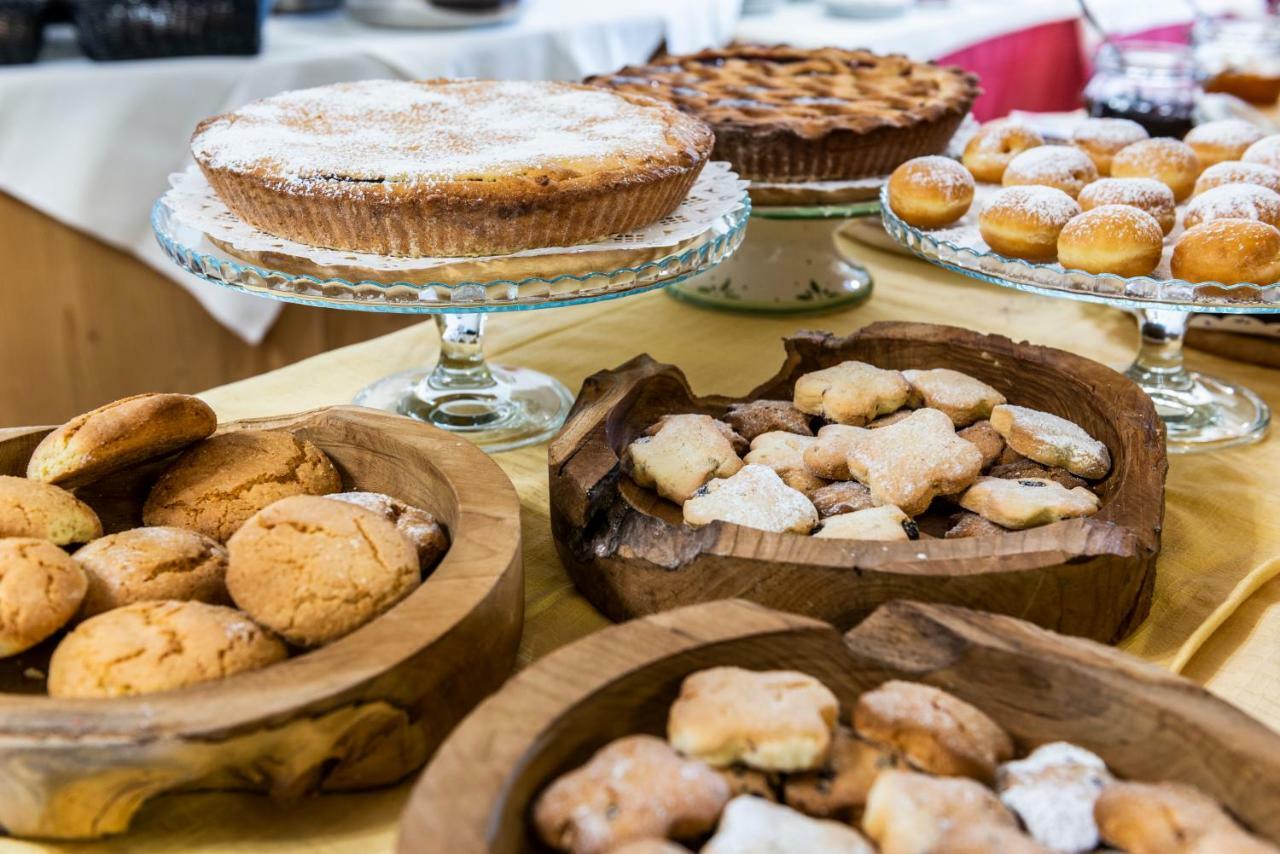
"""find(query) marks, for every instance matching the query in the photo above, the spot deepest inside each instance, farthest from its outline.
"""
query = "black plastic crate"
(21, 30)
(145, 29)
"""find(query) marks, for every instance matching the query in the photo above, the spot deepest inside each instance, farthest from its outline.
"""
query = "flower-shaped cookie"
(755, 825)
(1054, 791)
(754, 417)
(1051, 440)
(851, 393)
(910, 813)
(911, 462)
(876, 523)
(1027, 503)
(754, 497)
(784, 453)
(963, 398)
(686, 452)
(828, 456)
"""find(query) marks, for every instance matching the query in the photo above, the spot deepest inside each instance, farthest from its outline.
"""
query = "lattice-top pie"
(463, 167)
(783, 114)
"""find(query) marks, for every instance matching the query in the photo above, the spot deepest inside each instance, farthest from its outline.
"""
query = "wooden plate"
(630, 554)
(363, 711)
(1042, 687)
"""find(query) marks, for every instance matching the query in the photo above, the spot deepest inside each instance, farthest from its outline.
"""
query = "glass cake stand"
(498, 408)
(1200, 413)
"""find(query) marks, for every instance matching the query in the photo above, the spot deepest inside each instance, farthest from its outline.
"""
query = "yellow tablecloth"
(1216, 614)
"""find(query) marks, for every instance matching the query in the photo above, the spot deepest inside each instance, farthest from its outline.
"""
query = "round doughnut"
(1215, 142)
(1024, 222)
(1102, 138)
(1146, 194)
(930, 192)
(1228, 251)
(1169, 161)
(1234, 201)
(989, 150)
(1265, 151)
(1062, 166)
(1112, 239)
(1237, 172)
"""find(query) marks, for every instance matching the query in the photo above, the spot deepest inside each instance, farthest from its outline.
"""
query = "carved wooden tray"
(363, 711)
(1041, 687)
(630, 554)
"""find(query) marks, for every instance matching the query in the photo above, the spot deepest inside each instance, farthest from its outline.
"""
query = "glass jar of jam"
(1152, 83)
(1240, 56)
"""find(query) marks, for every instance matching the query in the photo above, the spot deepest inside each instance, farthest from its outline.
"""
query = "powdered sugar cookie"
(1051, 440)
(740, 444)
(985, 438)
(766, 416)
(633, 788)
(774, 720)
(913, 461)
(846, 496)
(851, 393)
(839, 789)
(937, 732)
(828, 457)
(1158, 818)
(909, 813)
(886, 523)
(784, 453)
(1053, 791)
(755, 826)
(755, 497)
(1027, 503)
(979, 837)
(684, 453)
(964, 399)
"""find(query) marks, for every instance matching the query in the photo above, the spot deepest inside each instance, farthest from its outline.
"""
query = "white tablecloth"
(93, 144)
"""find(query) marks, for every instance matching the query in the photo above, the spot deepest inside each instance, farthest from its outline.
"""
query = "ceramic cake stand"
(1200, 413)
(498, 408)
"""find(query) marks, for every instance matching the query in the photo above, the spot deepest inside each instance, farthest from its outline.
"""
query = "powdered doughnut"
(989, 151)
(1265, 151)
(930, 192)
(1102, 138)
(1169, 161)
(1234, 201)
(1146, 194)
(1215, 142)
(1112, 239)
(1062, 166)
(1229, 251)
(1024, 222)
(1238, 172)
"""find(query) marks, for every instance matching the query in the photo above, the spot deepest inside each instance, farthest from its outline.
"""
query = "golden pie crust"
(783, 114)
(451, 167)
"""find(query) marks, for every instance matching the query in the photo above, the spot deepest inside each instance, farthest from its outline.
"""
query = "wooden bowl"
(630, 554)
(1042, 687)
(363, 711)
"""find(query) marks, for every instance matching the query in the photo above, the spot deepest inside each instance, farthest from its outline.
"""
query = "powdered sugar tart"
(451, 167)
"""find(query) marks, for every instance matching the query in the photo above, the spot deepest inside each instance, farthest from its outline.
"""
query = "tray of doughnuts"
(1112, 214)
(727, 728)
(291, 604)
(905, 460)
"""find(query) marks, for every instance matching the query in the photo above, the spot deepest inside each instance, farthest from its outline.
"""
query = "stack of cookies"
(248, 549)
(865, 453)
(765, 762)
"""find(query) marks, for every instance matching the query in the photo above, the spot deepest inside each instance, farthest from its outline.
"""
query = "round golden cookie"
(1114, 239)
(988, 152)
(1265, 151)
(1102, 138)
(1237, 172)
(29, 508)
(213, 487)
(158, 646)
(1233, 201)
(151, 564)
(1169, 161)
(930, 192)
(1060, 166)
(120, 435)
(417, 525)
(1229, 251)
(1217, 142)
(41, 588)
(1146, 194)
(314, 569)
(1024, 222)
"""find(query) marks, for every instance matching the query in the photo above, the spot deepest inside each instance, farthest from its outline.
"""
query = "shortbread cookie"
(889, 420)
(915, 460)
(152, 564)
(784, 453)
(963, 398)
(1053, 791)
(839, 789)
(751, 781)
(1158, 818)
(851, 393)
(740, 445)
(910, 813)
(1024, 468)
(218, 484)
(775, 720)
(158, 646)
(41, 588)
(966, 524)
(828, 456)
(313, 569)
(886, 523)
(755, 497)
(686, 452)
(766, 416)
(847, 496)
(119, 435)
(1051, 440)
(985, 438)
(755, 826)
(633, 788)
(985, 838)
(937, 732)
(1027, 503)
(417, 525)
(30, 508)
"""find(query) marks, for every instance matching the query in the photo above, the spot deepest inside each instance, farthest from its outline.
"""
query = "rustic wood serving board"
(629, 553)
(1040, 686)
(363, 711)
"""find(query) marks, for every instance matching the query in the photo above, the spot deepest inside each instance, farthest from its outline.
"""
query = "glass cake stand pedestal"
(1200, 413)
(496, 407)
